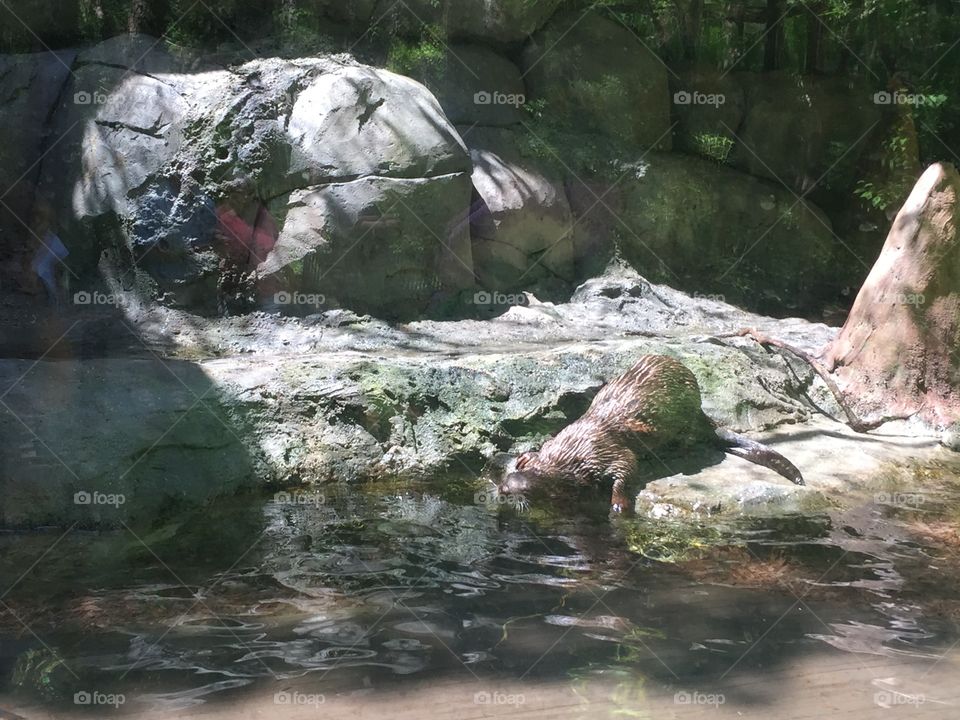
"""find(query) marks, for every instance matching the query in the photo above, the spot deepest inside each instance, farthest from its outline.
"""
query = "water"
(369, 595)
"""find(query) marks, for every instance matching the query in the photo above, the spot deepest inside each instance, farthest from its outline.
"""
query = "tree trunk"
(148, 16)
(899, 351)
(774, 38)
(814, 61)
(691, 36)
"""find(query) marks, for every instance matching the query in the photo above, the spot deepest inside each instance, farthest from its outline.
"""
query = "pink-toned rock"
(899, 351)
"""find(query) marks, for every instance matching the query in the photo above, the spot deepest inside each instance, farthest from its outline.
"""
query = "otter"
(653, 407)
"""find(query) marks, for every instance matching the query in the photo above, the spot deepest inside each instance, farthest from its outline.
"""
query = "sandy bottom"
(817, 685)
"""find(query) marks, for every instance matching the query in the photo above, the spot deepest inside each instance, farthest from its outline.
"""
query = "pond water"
(425, 601)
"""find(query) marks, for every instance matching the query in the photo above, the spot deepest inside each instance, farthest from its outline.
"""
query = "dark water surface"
(367, 591)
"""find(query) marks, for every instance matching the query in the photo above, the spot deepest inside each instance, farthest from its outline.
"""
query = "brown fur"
(653, 407)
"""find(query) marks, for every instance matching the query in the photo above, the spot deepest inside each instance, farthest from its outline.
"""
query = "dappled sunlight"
(475, 358)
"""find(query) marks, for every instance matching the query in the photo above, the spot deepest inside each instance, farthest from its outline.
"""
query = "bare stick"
(853, 420)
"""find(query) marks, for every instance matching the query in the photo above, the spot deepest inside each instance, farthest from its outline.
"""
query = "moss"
(674, 542)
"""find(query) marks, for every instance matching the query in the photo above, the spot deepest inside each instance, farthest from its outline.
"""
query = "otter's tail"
(760, 454)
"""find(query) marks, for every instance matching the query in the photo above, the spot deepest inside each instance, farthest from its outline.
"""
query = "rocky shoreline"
(208, 407)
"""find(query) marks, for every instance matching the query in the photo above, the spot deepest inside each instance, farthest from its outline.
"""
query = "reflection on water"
(368, 586)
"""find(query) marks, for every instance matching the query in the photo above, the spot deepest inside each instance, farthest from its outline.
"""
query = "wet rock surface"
(341, 397)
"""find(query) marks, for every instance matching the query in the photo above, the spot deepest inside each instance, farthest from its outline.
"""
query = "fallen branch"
(853, 420)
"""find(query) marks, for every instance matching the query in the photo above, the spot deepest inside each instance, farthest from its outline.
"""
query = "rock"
(29, 89)
(842, 468)
(474, 85)
(379, 245)
(355, 415)
(950, 437)
(136, 128)
(339, 397)
(521, 225)
(491, 21)
(139, 53)
(595, 75)
(372, 400)
(118, 127)
(707, 229)
(708, 107)
(896, 354)
(132, 441)
(805, 132)
(160, 149)
(676, 497)
(360, 121)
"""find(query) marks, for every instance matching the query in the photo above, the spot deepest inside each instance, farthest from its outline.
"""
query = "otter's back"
(658, 397)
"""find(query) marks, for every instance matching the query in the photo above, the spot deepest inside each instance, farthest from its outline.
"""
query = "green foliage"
(563, 151)
(40, 672)
(714, 146)
(892, 184)
(877, 197)
(414, 58)
(298, 31)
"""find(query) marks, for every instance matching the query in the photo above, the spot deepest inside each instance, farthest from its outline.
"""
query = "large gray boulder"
(595, 75)
(521, 224)
(147, 165)
(357, 121)
(380, 245)
(119, 126)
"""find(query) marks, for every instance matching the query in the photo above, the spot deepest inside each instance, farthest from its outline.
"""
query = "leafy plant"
(714, 146)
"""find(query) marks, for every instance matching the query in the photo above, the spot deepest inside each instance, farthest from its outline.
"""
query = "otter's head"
(524, 478)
